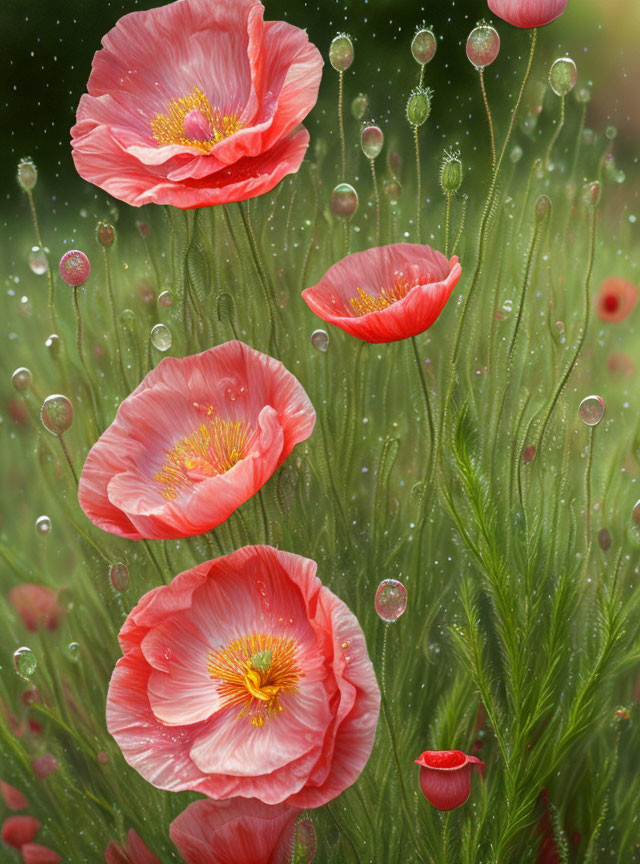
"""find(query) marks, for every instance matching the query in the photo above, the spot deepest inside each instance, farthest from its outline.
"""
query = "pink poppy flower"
(245, 677)
(528, 13)
(44, 765)
(18, 830)
(134, 851)
(196, 103)
(239, 831)
(37, 605)
(195, 440)
(617, 299)
(12, 797)
(34, 853)
(386, 293)
(445, 777)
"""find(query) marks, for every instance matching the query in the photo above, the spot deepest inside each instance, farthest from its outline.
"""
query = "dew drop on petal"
(591, 410)
(320, 340)
(161, 337)
(119, 576)
(25, 663)
(391, 600)
(56, 413)
(43, 525)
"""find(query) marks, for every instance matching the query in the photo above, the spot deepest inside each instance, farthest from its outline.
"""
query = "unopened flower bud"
(21, 379)
(542, 208)
(483, 46)
(424, 45)
(371, 141)
(27, 174)
(56, 414)
(74, 268)
(344, 201)
(563, 76)
(341, 52)
(419, 106)
(105, 233)
(451, 172)
(359, 106)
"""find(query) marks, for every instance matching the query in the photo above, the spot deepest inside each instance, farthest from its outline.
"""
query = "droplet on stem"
(56, 413)
(563, 76)
(371, 140)
(38, 260)
(24, 662)
(591, 410)
(161, 337)
(424, 45)
(341, 52)
(119, 576)
(74, 268)
(344, 201)
(21, 379)
(43, 525)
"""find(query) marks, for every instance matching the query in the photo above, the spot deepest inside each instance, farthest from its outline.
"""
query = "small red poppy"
(445, 777)
(34, 853)
(18, 830)
(12, 797)
(616, 299)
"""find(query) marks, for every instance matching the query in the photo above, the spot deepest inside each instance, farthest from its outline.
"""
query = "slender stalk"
(343, 145)
(447, 220)
(36, 230)
(80, 347)
(265, 520)
(376, 193)
(418, 186)
(67, 456)
(427, 403)
(525, 284)
(463, 213)
(556, 134)
(492, 135)
(262, 273)
(587, 490)
(116, 329)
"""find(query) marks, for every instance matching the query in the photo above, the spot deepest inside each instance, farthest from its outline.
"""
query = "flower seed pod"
(371, 141)
(542, 208)
(27, 174)
(483, 46)
(105, 233)
(21, 379)
(424, 46)
(451, 172)
(359, 106)
(56, 414)
(341, 52)
(344, 201)
(74, 268)
(419, 106)
(563, 76)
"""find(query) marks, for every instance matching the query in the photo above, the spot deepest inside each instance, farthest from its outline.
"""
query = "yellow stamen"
(168, 128)
(365, 302)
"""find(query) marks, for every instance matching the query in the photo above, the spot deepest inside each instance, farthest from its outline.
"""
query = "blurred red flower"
(528, 13)
(445, 777)
(37, 605)
(616, 299)
(134, 851)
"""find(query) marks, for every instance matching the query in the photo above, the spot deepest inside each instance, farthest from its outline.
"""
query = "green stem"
(262, 273)
(376, 193)
(36, 230)
(447, 221)
(492, 135)
(116, 330)
(343, 145)
(523, 292)
(556, 134)
(67, 456)
(427, 403)
(418, 185)
(80, 347)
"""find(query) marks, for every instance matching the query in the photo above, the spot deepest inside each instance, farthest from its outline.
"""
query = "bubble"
(424, 46)
(38, 260)
(27, 174)
(371, 141)
(591, 410)
(393, 190)
(359, 106)
(391, 600)
(56, 413)
(483, 46)
(635, 513)
(604, 539)
(24, 662)
(119, 576)
(591, 193)
(74, 651)
(165, 298)
(43, 525)
(74, 268)
(611, 133)
(21, 379)
(516, 154)
(53, 344)
(128, 320)
(161, 337)
(344, 201)
(320, 340)
(563, 76)
(304, 843)
(341, 52)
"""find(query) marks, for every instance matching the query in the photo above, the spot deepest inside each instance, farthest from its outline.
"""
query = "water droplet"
(119, 575)
(165, 298)
(341, 52)
(371, 141)
(563, 76)
(604, 539)
(53, 344)
(25, 663)
(128, 320)
(161, 337)
(43, 525)
(424, 46)
(483, 46)
(591, 410)
(21, 378)
(74, 651)
(320, 340)
(391, 599)
(38, 260)
(56, 414)
(74, 267)
(344, 201)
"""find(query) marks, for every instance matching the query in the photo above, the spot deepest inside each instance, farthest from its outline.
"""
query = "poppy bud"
(344, 201)
(445, 777)
(105, 234)
(34, 853)
(359, 106)
(451, 172)
(27, 174)
(74, 268)
(563, 76)
(56, 413)
(483, 46)
(341, 52)
(44, 765)
(542, 208)
(18, 830)
(371, 141)
(143, 229)
(424, 45)
(419, 106)
(12, 797)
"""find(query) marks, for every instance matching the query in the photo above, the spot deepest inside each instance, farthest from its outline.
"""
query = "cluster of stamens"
(193, 122)
(363, 302)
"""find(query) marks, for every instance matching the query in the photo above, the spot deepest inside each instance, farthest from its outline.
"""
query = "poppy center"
(254, 672)
(364, 302)
(213, 448)
(443, 758)
(611, 302)
(194, 122)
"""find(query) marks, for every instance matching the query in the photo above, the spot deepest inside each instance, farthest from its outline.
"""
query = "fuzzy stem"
(116, 331)
(376, 193)
(36, 230)
(80, 347)
(418, 185)
(492, 135)
(343, 145)
(556, 134)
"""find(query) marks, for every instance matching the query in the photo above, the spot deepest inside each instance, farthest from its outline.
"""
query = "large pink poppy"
(239, 831)
(245, 677)
(385, 293)
(528, 13)
(196, 439)
(196, 103)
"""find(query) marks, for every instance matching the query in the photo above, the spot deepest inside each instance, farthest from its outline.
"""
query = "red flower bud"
(44, 765)
(18, 830)
(13, 798)
(33, 853)
(445, 777)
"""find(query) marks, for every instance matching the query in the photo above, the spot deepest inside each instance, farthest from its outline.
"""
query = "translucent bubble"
(56, 413)
(516, 154)
(43, 525)
(74, 650)
(341, 52)
(483, 46)
(128, 320)
(53, 344)
(371, 141)
(424, 46)
(38, 260)
(591, 410)
(393, 190)
(165, 298)
(119, 575)
(563, 76)
(359, 106)
(604, 539)
(24, 662)
(74, 267)
(344, 201)
(611, 132)
(391, 600)
(161, 337)
(21, 378)
(635, 513)
(304, 843)
(320, 340)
